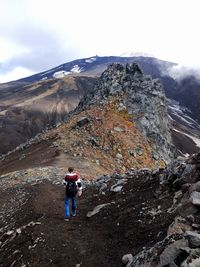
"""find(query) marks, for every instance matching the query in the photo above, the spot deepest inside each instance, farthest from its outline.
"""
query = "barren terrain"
(133, 219)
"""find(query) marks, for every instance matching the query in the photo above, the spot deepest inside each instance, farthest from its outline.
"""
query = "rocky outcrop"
(149, 219)
(121, 124)
(142, 98)
(22, 123)
(108, 221)
(181, 247)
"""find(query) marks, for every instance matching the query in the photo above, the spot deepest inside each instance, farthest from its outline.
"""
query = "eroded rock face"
(181, 174)
(181, 247)
(144, 100)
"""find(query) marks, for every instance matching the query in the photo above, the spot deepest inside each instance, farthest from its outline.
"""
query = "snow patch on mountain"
(135, 54)
(184, 124)
(60, 74)
(181, 113)
(90, 60)
(195, 139)
(76, 69)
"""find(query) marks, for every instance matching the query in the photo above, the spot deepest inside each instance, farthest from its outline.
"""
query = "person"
(73, 187)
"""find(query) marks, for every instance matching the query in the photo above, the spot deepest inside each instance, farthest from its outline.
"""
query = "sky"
(36, 35)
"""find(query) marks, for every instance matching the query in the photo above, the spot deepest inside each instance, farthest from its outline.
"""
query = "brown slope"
(109, 142)
(27, 110)
(122, 124)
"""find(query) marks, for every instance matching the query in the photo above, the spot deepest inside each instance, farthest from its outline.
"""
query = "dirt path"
(125, 226)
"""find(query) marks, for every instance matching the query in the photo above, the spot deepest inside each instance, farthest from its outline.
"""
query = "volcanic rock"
(143, 99)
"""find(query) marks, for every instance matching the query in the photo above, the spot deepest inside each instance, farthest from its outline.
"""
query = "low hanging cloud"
(14, 74)
(179, 72)
(42, 49)
(43, 34)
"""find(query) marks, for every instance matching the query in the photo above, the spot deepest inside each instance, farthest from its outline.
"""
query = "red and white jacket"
(73, 176)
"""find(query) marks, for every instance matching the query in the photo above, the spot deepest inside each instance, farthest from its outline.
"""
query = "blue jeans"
(67, 206)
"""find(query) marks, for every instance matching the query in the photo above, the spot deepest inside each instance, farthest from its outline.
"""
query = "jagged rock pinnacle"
(143, 99)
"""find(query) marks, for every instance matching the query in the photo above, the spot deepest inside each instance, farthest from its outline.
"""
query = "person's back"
(73, 186)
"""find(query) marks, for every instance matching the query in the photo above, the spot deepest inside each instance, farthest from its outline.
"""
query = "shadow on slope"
(29, 109)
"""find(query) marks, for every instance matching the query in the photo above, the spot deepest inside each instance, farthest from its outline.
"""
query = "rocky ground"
(34, 233)
(142, 218)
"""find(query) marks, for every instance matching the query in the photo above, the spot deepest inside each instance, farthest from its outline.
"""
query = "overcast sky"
(36, 35)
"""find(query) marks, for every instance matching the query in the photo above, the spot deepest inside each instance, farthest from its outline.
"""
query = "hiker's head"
(70, 169)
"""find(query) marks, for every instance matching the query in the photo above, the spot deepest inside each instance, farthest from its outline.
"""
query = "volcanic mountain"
(122, 123)
(185, 90)
(37, 103)
(134, 209)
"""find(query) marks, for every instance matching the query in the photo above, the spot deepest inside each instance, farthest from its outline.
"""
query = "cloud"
(43, 50)
(32, 49)
(14, 74)
(29, 41)
(179, 72)
(38, 35)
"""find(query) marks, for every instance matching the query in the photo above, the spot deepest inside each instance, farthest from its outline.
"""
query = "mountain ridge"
(121, 123)
(87, 65)
(132, 202)
(16, 98)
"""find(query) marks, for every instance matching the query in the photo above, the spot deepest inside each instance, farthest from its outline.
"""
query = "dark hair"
(70, 169)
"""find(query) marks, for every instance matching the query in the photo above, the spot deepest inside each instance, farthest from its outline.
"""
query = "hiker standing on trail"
(73, 188)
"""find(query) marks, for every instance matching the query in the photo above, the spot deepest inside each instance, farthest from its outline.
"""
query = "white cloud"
(178, 72)
(8, 50)
(63, 30)
(15, 74)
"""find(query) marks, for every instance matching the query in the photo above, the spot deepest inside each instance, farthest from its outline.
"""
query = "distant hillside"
(27, 109)
(31, 105)
(122, 123)
(96, 65)
(186, 91)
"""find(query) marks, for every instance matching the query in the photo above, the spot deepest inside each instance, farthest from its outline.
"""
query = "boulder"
(195, 198)
(96, 210)
(82, 121)
(119, 156)
(193, 238)
(118, 129)
(163, 254)
(195, 187)
(171, 252)
(194, 263)
(127, 259)
(178, 227)
(116, 189)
